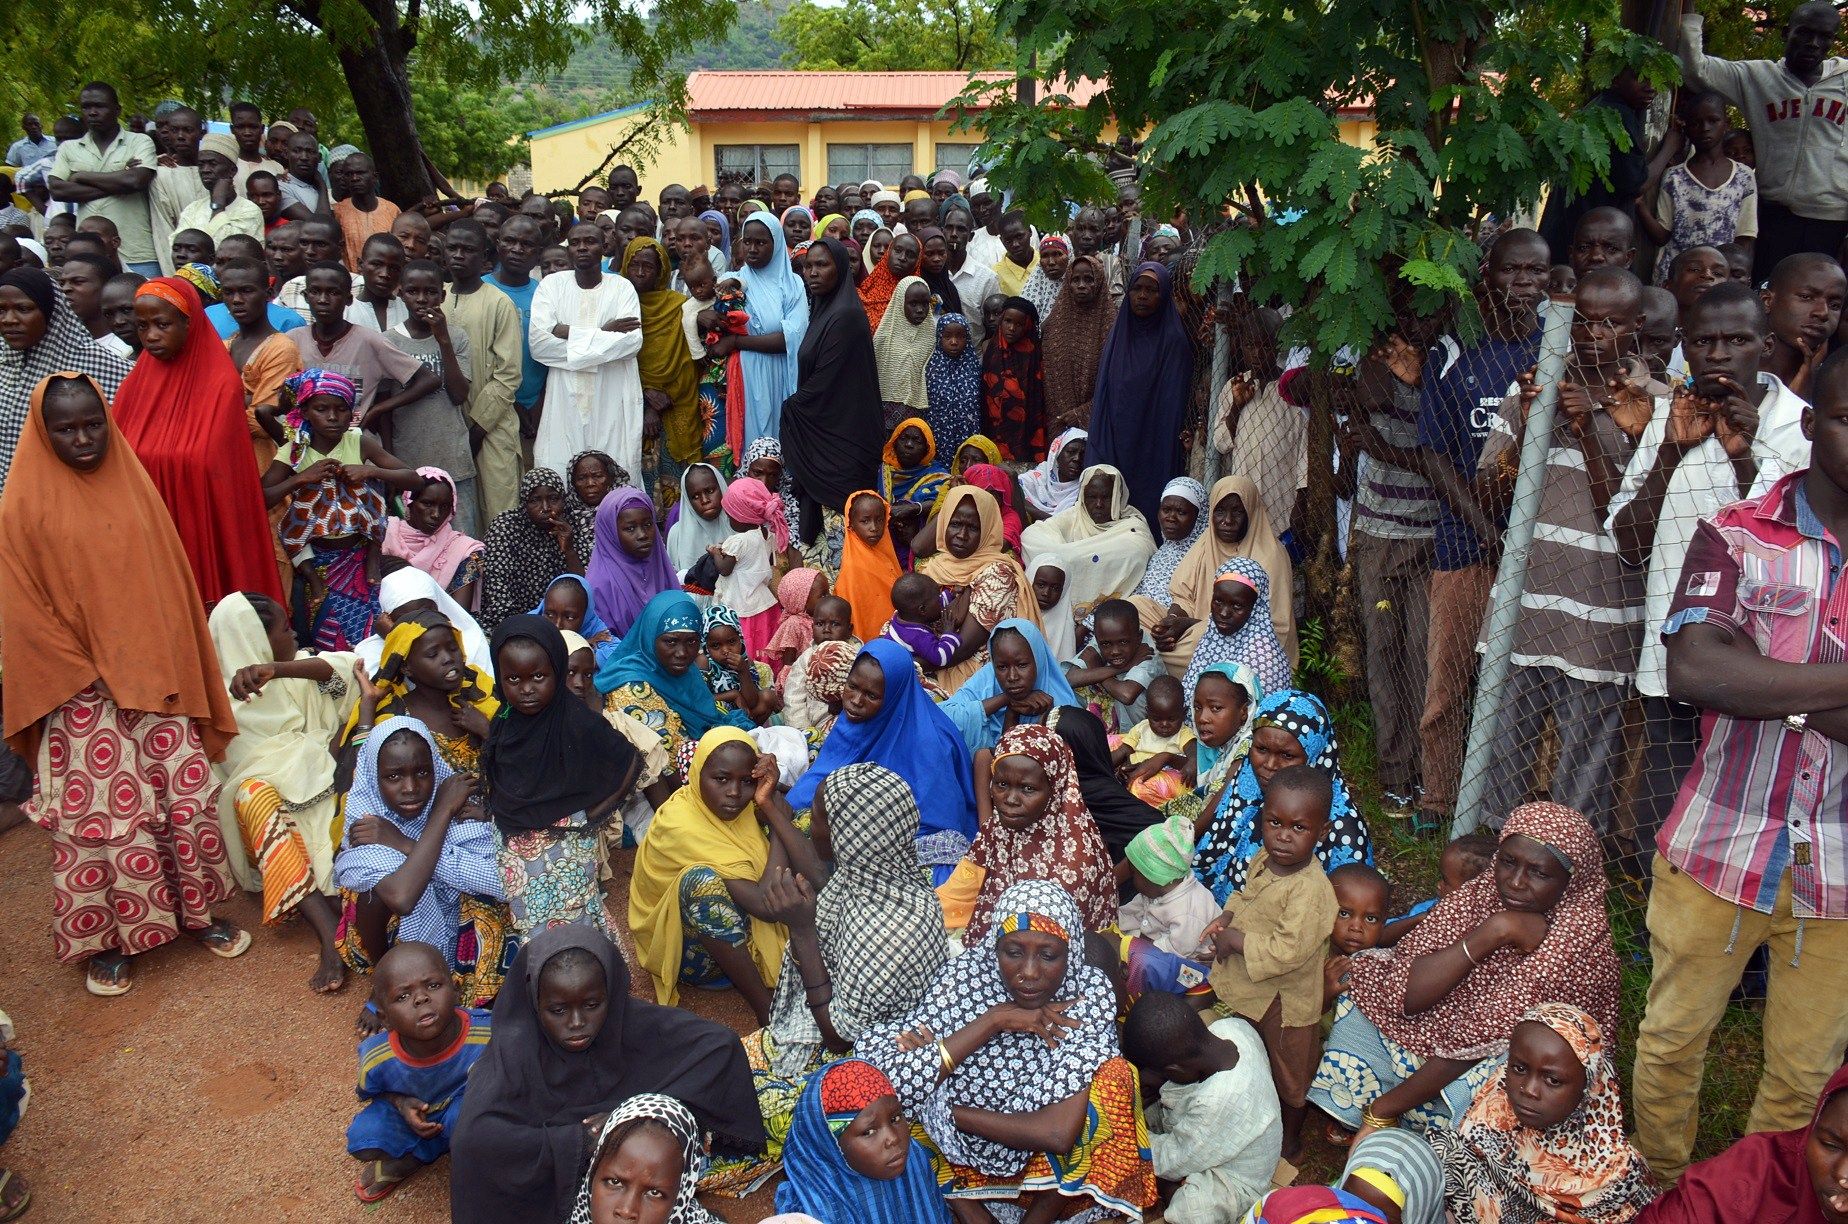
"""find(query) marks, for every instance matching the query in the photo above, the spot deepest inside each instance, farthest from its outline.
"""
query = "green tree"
(1478, 104)
(892, 35)
(339, 57)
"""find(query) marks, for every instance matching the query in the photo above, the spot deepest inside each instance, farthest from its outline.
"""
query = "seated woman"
(861, 952)
(427, 538)
(651, 677)
(1443, 1000)
(1543, 1140)
(971, 557)
(850, 1155)
(698, 900)
(1179, 522)
(1038, 830)
(570, 1045)
(528, 546)
(278, 808)
(1292, 728)
(1238, 527)
(1100, 541)
(1777, 1177)
(418, 863)
(1010, 1064)
(887, 719)
(423, 675)
(555, 772)
(644, 1166)
(1022, 682)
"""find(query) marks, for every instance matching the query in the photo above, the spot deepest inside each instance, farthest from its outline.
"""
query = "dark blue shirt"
(1458, 400)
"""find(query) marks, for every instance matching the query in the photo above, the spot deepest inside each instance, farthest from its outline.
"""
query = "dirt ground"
(215, 1090)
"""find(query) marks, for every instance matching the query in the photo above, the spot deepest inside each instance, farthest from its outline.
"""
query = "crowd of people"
(845, 570)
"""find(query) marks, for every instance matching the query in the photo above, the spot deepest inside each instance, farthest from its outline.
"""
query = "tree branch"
(616, 151)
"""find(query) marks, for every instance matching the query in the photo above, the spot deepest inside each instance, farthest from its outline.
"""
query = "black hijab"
(950, 301)
(833, 426)
(565, 759)
(520, 1146)
(1119, 814)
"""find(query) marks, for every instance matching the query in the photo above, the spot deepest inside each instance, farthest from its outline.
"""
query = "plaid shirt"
(1761, 798)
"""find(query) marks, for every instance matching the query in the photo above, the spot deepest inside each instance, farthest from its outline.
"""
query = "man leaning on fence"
(1754, 851)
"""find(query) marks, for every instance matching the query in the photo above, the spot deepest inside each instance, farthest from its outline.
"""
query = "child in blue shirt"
(412, 1073)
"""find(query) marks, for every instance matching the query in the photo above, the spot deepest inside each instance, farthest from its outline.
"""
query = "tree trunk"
(380, 83)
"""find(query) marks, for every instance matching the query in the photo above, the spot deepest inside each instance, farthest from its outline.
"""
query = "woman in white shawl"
(277, 808)
(1102, 542)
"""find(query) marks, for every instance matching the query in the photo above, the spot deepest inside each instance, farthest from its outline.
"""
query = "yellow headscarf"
(477, 690)
(687, 834)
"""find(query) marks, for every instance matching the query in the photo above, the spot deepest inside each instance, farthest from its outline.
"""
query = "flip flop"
(222, 939)
(382, 1189)
(18, 1209)
(117, 982)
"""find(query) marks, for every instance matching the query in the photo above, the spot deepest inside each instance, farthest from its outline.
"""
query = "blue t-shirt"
(1458, 400)
(280, 317)
(532, 374)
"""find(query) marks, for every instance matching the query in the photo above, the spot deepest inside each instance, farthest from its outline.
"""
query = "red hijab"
(185, 420)
(1762, 1179)
(877, 289)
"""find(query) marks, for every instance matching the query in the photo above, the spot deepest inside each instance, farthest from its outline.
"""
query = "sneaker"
(1398, 807)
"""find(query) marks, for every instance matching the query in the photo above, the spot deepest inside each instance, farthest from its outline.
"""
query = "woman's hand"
(919, 1038)
(472, 721)
(249, 681)
(789, 899)
(1515, 929)
(1036, 704)
(1049, 1022)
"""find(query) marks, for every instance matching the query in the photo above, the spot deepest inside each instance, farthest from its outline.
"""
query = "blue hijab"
(633, 662)
(914, 739)
(777, 301)
(713, 214)
(593, 624)
(817, 1180)
(1232, 840)
(980, 730)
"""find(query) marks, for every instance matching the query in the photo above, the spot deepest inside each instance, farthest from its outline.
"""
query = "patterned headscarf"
(953, 389)
(818, 1182)
(316, 381)
(1063, 846)
(678, 1121)
(1255, 644)
(520, 558)
(1575, 961)
(1581, 1169)
(719, 678)
(1159, 575)
(202, 277)
(828, 668)
(1232, 839)
(767, 447)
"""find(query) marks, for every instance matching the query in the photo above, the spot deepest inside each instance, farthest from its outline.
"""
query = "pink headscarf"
(749, 501)
(796, 631)
(988, 476)
(439, 553)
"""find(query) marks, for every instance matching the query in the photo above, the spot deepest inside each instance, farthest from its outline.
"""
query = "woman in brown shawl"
(1072, 341)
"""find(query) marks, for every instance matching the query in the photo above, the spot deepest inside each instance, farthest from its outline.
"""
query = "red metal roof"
(761, 95)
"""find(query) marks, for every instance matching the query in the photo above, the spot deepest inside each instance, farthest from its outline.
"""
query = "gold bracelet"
(943, 1051)
(1368, 1119)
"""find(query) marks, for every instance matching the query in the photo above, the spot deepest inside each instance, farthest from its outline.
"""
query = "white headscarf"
(1061, 633)
(690, 535)
(410, 584)
(1101, 560)
(1041, 485)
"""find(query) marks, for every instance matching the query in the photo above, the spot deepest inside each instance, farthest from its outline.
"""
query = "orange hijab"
(94, 585)
(877, 289)
(867, 574)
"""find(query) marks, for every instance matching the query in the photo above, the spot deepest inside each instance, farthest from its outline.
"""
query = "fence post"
(1511, 575)
(1222, 371)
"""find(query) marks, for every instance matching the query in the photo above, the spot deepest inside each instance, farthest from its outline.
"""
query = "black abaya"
(834, 425)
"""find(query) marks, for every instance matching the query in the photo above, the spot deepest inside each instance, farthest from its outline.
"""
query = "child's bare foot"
(367, 1023)
(15, 1195)
(331, 976)
(378, 1178)
(1339, 1135)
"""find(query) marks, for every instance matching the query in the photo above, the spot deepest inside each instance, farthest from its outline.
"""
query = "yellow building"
(823, 127)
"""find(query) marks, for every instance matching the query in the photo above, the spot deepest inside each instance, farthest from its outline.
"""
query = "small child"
(330, 477)
(413, 1073)
(746, 560)
(869, 566)
(733, 680)
(1363, 898)
(953, 381)
(920, 608)
(723, 316)
(1707, 200)
(1112, 674)
(803, 708)
(1269, 944)
(1154, 749)
(1217, 1129)
(647, 1156)
(1171, 908)
(798, 592)
(1462, 861)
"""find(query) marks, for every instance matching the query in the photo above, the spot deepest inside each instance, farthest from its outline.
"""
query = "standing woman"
(670, 380)
(779, 309)
(555, 772)
(42, 336)
(113, 689)
(1072, 340)
(182, 410)
(1144, 381)
(833, 424)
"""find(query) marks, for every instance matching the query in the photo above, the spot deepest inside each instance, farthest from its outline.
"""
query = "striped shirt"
(1763, 799)
(1391, 502)
(384, 1066)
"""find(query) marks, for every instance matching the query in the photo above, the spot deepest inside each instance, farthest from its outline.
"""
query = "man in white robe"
(587, 327)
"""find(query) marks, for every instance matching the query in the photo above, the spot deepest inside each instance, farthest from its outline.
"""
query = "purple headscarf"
(1144, 381)
(622, 584)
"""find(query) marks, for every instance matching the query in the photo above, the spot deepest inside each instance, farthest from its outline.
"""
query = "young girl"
(645, 1166)
(1239, 628)
(699, 523)
(424, 673)
(732, 679)
(628, 564)
(555, 772)
(746, 561)
(805, 704)
(902, 347)
(1707, 200)
(427, 538)
(850, 1155)
(1013, 393)
(953, 382)
(1225, 703)
(1052, 592)
(869, 566)
(330, 475)
(911, 480)
(799, 591)
(568, 604)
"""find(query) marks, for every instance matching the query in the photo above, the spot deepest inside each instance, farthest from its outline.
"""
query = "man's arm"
(1699, 69)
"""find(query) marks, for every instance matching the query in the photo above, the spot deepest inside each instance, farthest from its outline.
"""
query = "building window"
(757, 163)
(855, 163)
(955, 157)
